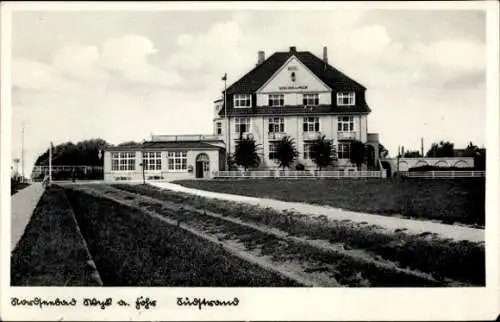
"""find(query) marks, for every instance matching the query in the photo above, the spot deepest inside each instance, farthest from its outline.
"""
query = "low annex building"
(165, 157)
(292, 93)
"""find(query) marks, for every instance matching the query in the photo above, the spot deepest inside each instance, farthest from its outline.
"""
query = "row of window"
(343, 151)
(277, 124)
(311, 99)
(125, 161)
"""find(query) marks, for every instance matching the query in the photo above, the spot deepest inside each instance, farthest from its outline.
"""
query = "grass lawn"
(450, 201)
(131, 248)
(461, 261)
(52, 251)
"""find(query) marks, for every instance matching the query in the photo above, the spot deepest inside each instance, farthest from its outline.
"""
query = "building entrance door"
(202, 166)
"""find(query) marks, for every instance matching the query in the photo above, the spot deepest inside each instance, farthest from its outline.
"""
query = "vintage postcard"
(250, 161)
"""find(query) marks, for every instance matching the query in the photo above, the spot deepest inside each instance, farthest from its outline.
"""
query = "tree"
(440, 150)
(358, 153)
(83, 153)
(411, 154)
(286, 152)
(322, 152)
(472, 150)
(382, 151)
(246, 154)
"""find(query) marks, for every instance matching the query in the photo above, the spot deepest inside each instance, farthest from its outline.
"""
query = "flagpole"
(228, 143)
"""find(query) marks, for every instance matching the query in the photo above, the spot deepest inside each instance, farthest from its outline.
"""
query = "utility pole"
(22, 153)
(50, 163)
(422, 146)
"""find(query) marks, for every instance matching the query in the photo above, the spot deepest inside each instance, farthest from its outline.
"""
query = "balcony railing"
(186, 137)
(311, 135)
(347, 135)
(276, 135)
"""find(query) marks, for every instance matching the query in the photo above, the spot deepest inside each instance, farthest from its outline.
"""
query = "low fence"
(299, 174)
(68, 172)
(443, 174)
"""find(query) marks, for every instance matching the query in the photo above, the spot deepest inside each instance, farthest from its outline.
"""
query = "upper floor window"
(276, 100)
(218, 128)
(123, 161)
(276, 125)
(310, 99)
(345, 124)
(242, 125)
(311, 124)
(346, 98)
(151, 160)
(242, 100)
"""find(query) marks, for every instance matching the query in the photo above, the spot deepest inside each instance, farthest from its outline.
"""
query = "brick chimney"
(261, 57)
(325, 55)
(293, 49)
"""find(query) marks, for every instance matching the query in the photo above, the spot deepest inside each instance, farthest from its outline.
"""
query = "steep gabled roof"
(261, 73)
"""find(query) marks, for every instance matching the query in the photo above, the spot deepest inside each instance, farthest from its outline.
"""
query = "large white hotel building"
(292, 93)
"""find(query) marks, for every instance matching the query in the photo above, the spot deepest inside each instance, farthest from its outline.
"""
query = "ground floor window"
(273, 149)
(311, 124)
(343, 150)
(276, 125)
(152, 160)
(177, 161)
(307, 151)
(345, 123)
(122, 161)
(242, 125)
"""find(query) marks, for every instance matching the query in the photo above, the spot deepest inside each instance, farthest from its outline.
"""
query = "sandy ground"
(410, 226)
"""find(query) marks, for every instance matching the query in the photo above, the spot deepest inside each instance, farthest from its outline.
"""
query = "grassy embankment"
(446, 200)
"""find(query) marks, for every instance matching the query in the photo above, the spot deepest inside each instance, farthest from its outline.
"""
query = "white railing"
(186, 137)
(443, 174)
(299, 174)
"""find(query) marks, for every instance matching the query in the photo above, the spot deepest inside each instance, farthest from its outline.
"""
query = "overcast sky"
(123, 75)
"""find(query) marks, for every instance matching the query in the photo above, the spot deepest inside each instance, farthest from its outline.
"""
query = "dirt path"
(22, 205)
(411, 226)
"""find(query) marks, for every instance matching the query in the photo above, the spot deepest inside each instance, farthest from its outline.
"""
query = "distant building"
(292, 93)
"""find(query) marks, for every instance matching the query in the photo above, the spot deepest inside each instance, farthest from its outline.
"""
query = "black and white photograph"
(287, 147)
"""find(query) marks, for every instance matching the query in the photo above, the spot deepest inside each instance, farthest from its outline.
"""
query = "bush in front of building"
(286, 152)
(322, 152)
(300, 167)
(247, 152)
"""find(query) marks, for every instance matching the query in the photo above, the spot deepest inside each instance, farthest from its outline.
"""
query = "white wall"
(169, 175)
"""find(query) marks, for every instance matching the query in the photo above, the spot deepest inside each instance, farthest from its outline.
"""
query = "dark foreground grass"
(131, 248)
(51, 252)
(461, 261)
(450, 201)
